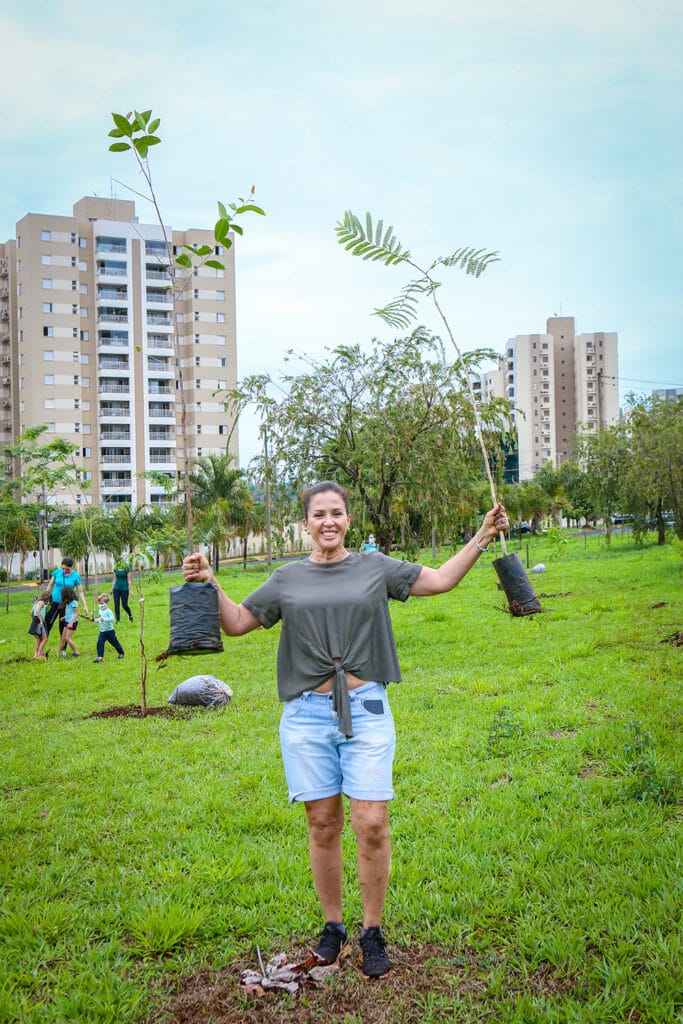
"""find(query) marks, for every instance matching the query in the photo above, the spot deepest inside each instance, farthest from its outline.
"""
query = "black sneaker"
(375, 959)
(332, 941)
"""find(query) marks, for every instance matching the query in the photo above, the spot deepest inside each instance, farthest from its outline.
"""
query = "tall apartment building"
(557, 381)
(86, 344)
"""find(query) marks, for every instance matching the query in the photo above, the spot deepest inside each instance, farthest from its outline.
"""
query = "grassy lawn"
(535, 877)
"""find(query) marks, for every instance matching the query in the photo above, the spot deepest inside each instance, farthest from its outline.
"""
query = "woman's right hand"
(196, 569)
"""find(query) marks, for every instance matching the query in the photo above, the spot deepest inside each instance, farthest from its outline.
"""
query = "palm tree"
(221, 495)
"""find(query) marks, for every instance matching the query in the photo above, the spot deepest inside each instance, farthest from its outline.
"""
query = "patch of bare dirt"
(674, 640)
(132, 711)
(421, 978)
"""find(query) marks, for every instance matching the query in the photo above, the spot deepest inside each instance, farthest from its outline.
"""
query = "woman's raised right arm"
(236, 620)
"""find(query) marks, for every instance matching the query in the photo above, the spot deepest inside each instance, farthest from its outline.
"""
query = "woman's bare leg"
(325, 819)
(370, 822)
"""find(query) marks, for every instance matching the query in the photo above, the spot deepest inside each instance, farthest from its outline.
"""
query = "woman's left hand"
(495, 522)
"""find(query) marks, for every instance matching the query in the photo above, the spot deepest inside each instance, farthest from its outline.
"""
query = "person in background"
(65, 576)
(38, 612)
(107, 633)
(68, 622)
(123, 583)
(336, 656)
(370, 544)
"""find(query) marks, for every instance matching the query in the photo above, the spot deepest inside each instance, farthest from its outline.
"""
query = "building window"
(76, 378)
(199, 428)
(198, 383)
(46, 236)
(220, 339)
(223, 428)
(74, 261)
(83, 289)
(87, 452)
(87, 429)
(74, 332)
(196, 339)
(48, 355)
(74, 309)
(74, 286)
(77, 403)
(85, 382)
(196, 293)
(82, 243)
(222, 362)
(86, 406)
(85, 359)
(85, 336)
(49, 378)
(47, 307)
(75, 356)
(48, 332)
(220, 296)
(47, 282)
(77, 428)
(46, 259)
(220, 318)
(84, 311)
(196, 360)
(196, 316)
(49, 403)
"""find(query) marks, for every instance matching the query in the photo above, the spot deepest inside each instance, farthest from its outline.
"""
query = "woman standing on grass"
(123, 582)
(335, 657)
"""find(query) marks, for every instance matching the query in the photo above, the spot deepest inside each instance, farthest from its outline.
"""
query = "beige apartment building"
(87, 346)
(557, 381)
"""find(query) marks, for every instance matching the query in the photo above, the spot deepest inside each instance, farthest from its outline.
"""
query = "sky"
(550, 133)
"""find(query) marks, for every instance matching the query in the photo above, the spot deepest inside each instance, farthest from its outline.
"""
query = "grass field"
(537, 848)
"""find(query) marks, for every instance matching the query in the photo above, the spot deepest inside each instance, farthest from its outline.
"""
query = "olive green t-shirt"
(334, 616)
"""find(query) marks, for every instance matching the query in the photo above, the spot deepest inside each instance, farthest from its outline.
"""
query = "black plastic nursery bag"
(195, 621)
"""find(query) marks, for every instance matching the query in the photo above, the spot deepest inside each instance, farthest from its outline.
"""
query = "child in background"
(68, 621)
(107, 634)
(38, 624)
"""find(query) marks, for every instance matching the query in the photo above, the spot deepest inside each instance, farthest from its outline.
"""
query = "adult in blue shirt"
(65, 576)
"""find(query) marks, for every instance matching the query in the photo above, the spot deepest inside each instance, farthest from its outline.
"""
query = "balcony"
(105, 269)
(160, 366)
(164, 342)
(156, 274)
(120, 459)
(108, 482)
(112, 316)
(115, 294)
(161, 412)
(114, 410)
(157, 296)
(113, 343)
(114, 435)
(162, 435)
(111, 246)
(159, 320)
(110, 387)
(159, 458)
(113, 364)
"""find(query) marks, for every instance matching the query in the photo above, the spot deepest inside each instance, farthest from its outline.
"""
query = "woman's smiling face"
(327, 523)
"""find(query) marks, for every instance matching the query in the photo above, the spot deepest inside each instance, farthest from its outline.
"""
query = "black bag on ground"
(195, 622)
(34, 628)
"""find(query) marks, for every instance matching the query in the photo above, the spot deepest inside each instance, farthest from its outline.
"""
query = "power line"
(638, 380)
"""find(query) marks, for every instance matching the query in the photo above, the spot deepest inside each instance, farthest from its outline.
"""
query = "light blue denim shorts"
(320, 761)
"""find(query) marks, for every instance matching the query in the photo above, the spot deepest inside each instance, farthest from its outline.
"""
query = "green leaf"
(116, 133)
(220, 231)
(118, 147)
(123, 124)
(216, 264)
(237, 229)
(141, 147)
(204, 250)
(249, 207)
(183, 260)
(151, 128)
(222, 212)
(152, 140)
(139, 121)
(146, 116)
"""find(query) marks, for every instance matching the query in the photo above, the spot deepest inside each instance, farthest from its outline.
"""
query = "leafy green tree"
(389, 423)
(137, 132)
(605, 457)
(16, 536)
(220, 492)
(653, 481)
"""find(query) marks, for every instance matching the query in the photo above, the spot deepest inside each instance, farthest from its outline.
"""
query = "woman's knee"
(325, 819)
(370, 821)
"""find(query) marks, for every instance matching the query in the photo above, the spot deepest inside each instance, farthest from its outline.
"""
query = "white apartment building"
(557, 382)
(87, 346)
